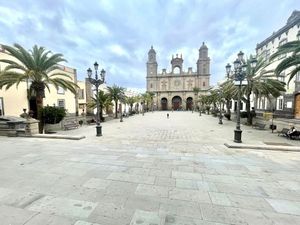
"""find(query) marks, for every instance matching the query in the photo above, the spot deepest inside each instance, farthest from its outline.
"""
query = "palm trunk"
(39, 104)
(249, 116)
(116, 109)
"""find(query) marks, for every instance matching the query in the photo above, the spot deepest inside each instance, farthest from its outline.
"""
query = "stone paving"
(149, 170)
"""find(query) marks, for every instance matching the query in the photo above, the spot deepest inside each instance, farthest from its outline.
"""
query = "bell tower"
(203, 63)
(151, 63)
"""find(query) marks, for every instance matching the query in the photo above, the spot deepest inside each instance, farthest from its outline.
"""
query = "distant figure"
(167, 115)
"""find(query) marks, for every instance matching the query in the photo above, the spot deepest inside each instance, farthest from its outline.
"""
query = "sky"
(119, 33)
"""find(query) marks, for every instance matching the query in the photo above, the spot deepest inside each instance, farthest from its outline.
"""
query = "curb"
(264, 147)
(56, 136)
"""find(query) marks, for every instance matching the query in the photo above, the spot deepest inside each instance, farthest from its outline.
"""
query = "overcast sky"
(118, 33)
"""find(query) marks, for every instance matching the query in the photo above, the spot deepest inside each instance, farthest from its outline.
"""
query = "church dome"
(151, 50)
(203, 46)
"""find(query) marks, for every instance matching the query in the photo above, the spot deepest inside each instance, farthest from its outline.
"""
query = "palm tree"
(116, 93)
(290, 61)
(151, 97)
(229, 91)
(258, 81)
(103, 100)
(130, 101)
(38, 66)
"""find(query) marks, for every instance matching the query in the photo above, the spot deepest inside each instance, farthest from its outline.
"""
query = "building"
(14, 100)
(174, 89)
(287, 105)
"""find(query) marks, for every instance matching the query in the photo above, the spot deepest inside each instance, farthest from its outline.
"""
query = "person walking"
(167, 115)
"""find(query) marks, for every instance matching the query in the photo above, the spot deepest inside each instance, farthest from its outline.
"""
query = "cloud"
(118, 34)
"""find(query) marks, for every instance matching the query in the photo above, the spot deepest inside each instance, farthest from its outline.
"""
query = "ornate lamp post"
(97, 81)
(239, 72)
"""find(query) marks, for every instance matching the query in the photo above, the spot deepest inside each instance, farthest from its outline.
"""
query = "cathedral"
(174, 90)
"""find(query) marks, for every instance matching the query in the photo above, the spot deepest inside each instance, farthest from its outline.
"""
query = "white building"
(287, 105)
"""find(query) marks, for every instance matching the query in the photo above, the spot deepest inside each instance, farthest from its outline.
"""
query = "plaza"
(150, 170)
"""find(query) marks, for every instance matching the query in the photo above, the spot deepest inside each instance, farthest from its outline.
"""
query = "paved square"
(149, 170)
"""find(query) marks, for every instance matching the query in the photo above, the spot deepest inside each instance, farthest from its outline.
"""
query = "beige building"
(287, 105)
(14, 100)
(174, 89)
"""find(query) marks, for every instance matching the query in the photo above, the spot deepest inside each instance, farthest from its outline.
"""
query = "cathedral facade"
(174, 89)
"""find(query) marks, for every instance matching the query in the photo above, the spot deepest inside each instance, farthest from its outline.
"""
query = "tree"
(196, 91)
(258, 81)
(229, 91)
(38, 66)
(104, 101)
(151, 97)
(291, 61)
(116, 93)
(130, 101)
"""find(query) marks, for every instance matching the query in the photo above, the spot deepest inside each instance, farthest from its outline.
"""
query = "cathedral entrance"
(164, 104)
(176, 103)
(189, 103)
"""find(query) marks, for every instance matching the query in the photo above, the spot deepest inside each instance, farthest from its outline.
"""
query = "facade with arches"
(174, 89)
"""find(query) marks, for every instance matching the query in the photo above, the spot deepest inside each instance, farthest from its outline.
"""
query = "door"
(176, 103)
(297, 106)
(164, 104)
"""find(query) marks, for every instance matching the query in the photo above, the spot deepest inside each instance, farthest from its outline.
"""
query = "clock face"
(151, 57)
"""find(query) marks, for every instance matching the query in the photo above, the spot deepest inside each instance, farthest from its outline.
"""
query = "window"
(280, 44)
(267, 54)
(60, 91)
(81, 94)
(61, 103)
(298, 77)
(280, 104)
(203, 84)
(151, 85)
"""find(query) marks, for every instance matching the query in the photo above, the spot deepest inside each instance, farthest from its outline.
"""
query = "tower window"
(203, 84)
(151, 85)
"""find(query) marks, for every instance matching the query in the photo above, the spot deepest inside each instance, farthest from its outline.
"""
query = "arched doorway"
(189, 103)
(176, 103)
(297, 106)
(164, 104)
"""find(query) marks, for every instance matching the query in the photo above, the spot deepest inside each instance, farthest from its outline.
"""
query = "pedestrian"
(167, 115)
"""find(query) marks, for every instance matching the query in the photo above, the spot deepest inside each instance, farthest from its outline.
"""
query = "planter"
(52, 128)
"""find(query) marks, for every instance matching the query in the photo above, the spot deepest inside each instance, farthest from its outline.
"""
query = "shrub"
(52, 114)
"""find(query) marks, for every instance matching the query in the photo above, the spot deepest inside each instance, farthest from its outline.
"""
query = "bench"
(260, 126)
(70, 124)
(283, 132)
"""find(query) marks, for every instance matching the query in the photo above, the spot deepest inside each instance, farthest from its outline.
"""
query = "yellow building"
(14, 100)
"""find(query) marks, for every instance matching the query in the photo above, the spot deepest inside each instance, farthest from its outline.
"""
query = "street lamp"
(97, 81)
(239, 72)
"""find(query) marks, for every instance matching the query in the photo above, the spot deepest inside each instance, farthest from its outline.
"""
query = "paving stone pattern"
(149, 170)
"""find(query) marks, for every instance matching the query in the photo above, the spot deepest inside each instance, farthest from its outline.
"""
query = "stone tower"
(203, 63)
(151, 63)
